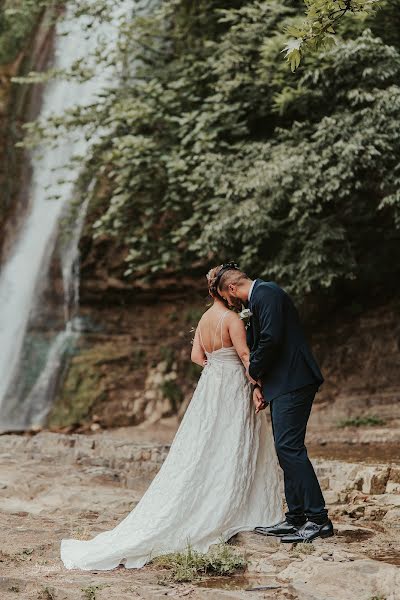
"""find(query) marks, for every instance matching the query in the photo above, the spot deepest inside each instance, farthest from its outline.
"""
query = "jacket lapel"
(257, 283)
(251, 331)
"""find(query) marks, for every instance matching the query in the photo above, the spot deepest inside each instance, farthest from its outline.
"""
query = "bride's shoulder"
(232, 316)
(204, 317)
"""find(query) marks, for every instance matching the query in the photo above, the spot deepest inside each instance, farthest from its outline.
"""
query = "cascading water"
(25, 401)
(34, 407)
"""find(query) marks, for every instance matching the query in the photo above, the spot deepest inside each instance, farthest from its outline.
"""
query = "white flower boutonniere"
(245, 316)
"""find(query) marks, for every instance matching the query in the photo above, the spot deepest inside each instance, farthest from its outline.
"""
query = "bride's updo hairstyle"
(220, 277)
(212, 280)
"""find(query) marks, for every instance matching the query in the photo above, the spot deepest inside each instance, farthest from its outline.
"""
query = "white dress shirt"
(250, 291)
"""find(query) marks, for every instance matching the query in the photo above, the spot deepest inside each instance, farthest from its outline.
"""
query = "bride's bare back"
(214, 330)
(219, 328)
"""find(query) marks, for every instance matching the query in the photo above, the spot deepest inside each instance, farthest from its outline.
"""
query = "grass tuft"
(302, 548)
(47, 594)
(189, 565)
(367, 421)
(81, 533)
(89, 593)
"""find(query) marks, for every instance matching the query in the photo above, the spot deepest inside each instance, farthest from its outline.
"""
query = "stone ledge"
(100, 450)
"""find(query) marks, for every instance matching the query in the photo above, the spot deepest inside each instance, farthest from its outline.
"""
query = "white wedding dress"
(220, 477)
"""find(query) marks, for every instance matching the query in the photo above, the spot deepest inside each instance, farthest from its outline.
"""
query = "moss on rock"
(83, 387)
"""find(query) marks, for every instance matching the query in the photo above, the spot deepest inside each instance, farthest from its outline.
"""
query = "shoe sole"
(271, 534)
(323, 536)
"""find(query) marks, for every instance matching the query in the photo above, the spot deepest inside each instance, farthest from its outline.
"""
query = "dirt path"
(54, 486)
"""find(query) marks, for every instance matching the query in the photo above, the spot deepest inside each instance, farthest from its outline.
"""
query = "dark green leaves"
(211, 149)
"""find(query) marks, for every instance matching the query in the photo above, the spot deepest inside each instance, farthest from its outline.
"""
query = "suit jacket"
(279, 353)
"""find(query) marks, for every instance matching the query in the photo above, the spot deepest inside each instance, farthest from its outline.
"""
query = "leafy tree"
(212, 149)
(18, 19)
(319, 27)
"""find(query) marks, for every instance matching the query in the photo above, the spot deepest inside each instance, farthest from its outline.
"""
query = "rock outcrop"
(54, 486)
(133, 363)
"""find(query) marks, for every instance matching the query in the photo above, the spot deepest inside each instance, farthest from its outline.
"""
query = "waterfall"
(25, 400)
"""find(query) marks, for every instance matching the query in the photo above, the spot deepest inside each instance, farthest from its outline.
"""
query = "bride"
(221, 474)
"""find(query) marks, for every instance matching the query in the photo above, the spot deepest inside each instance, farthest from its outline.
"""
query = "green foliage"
(367, 421)
(299, 550)
(192, 372)
(17, 21)
(317, 31)
(89, 592)
(211, 149)
(193, 315)
(385, 23)
(173, 392)
(221, 559)
(83, 386)
(138, 357)
(167, 354)
(47, 594)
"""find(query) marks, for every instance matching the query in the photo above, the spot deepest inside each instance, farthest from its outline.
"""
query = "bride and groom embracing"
(221, 475)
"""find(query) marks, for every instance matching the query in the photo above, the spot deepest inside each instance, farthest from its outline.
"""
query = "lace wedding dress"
(220, 477)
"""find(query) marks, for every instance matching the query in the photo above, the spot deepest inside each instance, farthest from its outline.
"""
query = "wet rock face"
(19, 104)
(132, 365)
(361, 363)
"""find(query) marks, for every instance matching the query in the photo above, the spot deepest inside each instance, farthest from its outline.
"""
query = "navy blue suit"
(281, 358)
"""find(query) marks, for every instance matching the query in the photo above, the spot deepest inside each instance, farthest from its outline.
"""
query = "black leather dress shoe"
(309, 532)
(283, 528)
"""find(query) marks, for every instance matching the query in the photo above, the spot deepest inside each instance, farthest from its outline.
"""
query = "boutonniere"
(245, 316)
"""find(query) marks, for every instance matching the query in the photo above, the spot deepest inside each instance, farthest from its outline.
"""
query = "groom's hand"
(258, 399)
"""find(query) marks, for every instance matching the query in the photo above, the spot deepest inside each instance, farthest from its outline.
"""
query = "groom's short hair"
(233, 276)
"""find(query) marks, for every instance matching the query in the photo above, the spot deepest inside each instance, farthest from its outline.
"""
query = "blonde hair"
(212, 280)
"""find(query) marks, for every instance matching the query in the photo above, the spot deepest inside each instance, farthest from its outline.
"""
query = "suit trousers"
(289, 415)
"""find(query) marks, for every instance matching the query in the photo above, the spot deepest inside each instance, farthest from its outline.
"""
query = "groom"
(285, 375)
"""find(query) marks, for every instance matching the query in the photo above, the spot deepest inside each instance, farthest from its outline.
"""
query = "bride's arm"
(237, 333)
(198, 356)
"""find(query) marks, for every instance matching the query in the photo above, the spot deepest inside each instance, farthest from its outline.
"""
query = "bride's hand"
(249, 377)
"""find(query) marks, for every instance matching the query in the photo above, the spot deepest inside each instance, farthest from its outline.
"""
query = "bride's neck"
(219, 304)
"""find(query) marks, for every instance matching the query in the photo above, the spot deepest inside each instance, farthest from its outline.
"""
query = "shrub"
(221, 559)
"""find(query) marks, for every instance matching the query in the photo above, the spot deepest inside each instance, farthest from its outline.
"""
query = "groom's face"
(230, 295)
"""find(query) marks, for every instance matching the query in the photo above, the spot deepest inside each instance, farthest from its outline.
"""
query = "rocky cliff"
(19, 104)
(133, 361)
